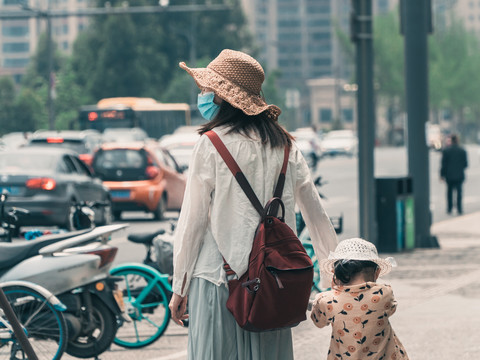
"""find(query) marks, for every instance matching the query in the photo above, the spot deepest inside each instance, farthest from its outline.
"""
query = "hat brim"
(235, 95)
(326, 266)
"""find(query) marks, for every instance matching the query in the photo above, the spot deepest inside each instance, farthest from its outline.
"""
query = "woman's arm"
(193, 219)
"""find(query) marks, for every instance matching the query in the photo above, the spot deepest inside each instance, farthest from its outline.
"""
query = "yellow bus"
(156, 118)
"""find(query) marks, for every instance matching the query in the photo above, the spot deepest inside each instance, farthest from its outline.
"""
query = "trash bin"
(395, 214)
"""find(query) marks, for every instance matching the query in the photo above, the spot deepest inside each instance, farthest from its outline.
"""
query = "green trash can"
(395, 214)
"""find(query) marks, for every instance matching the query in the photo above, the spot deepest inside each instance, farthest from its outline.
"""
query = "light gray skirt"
(213, 333)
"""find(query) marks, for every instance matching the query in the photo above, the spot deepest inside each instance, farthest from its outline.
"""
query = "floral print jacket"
(359, 318)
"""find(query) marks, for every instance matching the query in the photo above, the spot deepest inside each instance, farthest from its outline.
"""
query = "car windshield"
(120, 164)
(23, 161)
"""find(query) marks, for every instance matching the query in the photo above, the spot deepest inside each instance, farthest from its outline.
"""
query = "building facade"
(19, 37)
(299, 38)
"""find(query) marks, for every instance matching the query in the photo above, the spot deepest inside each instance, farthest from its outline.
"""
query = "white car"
(308, 142)
(180, 145)
(340, 142)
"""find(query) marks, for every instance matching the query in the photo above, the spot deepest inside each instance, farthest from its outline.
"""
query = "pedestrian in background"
(357, 307)
(452, 171)
(218, 222)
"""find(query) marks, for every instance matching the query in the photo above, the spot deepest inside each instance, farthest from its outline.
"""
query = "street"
(341, 193)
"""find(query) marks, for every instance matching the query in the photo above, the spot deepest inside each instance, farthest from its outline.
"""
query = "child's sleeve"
(390, 304)
(319, 311)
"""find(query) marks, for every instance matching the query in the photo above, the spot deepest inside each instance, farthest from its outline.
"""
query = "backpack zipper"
(277, 279)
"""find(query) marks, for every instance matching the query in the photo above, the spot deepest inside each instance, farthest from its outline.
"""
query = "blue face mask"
(208, 109)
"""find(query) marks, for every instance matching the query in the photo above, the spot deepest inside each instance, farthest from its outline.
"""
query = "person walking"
(217, 221)
(452, 171)
(358, 307)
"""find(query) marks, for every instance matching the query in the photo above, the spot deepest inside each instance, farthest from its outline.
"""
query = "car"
(141, 176)
(124, 134)
(48, 181)
(14, 140)
(180, 145)
(309, 143)
(340, 142)
(84, 142)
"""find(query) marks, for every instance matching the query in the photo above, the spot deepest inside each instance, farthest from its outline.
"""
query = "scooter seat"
(13, 253)
(145, 238)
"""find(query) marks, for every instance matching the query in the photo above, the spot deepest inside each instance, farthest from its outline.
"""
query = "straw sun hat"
(356, 249)
(236, 78)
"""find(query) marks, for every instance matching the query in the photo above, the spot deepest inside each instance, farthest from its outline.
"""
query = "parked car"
(141, 176)
(309, 143)
(340, 142)
(124, 135)
(84, 142)
(48, 181)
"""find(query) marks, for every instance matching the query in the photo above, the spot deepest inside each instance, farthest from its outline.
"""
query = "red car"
(141, 176)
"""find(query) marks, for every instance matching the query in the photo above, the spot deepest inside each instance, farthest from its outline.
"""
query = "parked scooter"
(76, 270)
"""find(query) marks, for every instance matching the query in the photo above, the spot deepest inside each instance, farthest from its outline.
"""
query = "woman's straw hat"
(236, 78)
(356, 249)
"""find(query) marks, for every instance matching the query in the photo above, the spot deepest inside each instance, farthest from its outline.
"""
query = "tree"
(7, 97)
(29, 112)
(138, 54)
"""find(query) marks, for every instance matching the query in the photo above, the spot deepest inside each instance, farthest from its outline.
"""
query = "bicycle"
(146, 294)
(304, 237)
(40, 318)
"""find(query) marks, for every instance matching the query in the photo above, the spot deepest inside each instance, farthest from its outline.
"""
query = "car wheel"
(159, 213)
(107, 215)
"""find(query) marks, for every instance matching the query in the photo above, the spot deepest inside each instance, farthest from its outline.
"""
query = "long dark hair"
(239, 122)
(345, 270)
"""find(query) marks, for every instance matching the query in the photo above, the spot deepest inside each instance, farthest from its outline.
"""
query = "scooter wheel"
(99, 338)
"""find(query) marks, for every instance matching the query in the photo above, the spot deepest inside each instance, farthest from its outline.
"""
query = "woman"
(218, 221)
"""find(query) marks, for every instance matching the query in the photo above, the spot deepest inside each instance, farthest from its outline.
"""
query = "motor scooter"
(76, 270)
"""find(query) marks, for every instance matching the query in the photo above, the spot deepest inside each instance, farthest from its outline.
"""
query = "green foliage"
(7, 97)
(29, 112)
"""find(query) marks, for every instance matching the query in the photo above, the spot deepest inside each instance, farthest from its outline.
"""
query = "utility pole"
(416, 24)
(362, 36)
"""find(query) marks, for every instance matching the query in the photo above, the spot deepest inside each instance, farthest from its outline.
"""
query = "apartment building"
(19, 37)
(298, 37)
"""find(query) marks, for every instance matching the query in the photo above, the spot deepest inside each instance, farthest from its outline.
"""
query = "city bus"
(156, 118)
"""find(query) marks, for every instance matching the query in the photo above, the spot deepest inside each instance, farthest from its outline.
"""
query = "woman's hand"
(178, 308)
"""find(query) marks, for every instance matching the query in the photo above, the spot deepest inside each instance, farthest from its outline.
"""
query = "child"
(357, 307)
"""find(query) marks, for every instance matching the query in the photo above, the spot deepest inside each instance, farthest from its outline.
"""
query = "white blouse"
(218, 219)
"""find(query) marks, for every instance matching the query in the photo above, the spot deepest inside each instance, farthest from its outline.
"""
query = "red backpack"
(274, 291)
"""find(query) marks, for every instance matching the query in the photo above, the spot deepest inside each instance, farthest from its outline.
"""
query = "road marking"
(177, 355)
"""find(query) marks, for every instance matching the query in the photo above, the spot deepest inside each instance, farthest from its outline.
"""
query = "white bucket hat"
(356, 249)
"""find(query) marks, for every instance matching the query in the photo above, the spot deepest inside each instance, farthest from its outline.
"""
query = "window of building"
(65, 29)
(15, 30)
(10, 2)
(65, 45)
(326, 115)
(347, 115)
(15, 47)
(15, 63)
(321, 62)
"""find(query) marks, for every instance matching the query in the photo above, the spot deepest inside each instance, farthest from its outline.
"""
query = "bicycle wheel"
(44, 325)
(146, 301)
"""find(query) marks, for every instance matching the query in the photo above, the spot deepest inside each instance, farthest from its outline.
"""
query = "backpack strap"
(235, 169)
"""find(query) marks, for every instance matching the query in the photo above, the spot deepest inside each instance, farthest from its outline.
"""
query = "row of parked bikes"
(68, 298)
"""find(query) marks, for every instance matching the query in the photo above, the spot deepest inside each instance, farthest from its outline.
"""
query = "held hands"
(178, 308)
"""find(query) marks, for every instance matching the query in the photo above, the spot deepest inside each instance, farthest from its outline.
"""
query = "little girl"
(357, 307)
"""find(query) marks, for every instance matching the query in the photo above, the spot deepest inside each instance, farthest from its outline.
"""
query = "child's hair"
(344, 270)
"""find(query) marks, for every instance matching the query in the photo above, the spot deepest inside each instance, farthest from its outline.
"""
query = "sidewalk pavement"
(438, 294)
